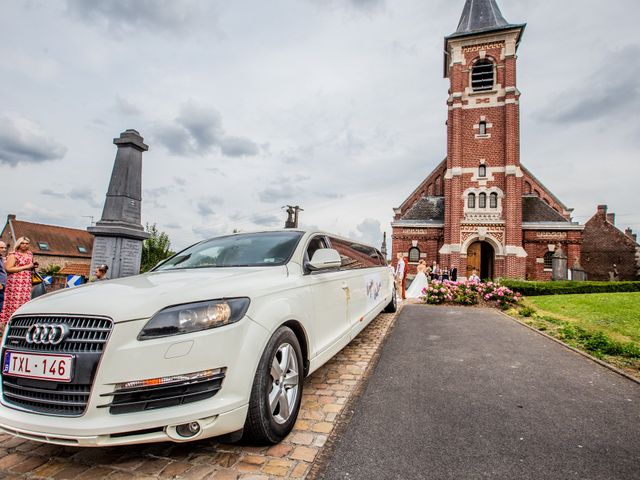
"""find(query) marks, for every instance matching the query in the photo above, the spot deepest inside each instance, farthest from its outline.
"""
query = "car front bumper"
(235, 348)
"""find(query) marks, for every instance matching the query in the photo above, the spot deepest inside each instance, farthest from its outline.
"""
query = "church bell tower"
(483, 180)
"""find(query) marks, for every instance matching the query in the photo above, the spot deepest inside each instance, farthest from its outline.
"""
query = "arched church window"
(471, 200)
(482, 75)
(548, 260)
(482, 171)
(527, 188)
(438, 186)
(414, 255)
(493, 200)
(482, 200)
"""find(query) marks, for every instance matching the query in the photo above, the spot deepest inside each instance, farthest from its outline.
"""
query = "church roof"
(480, 16)
(429, 208)
(536, 210)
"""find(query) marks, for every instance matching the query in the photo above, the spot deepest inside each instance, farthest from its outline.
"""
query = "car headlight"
(193, 317)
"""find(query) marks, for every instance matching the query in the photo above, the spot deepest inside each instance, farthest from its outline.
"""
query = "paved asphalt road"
(469, 394)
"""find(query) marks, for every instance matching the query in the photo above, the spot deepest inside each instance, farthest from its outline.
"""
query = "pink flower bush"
(469, 293)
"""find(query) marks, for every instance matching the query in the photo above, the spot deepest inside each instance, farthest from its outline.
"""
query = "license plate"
(58, 368)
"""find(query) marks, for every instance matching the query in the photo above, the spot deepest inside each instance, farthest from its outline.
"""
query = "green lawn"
(615, 314)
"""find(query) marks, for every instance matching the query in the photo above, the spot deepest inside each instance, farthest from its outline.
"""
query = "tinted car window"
(355, 255)
(243, 250)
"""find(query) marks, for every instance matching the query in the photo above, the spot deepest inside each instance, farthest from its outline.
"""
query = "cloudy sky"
(334, 105)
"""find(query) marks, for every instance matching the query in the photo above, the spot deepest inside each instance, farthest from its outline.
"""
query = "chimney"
(629, 233)
(611, 218)
(602, 210)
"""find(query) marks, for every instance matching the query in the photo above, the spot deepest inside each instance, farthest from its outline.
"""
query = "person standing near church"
(3, 273)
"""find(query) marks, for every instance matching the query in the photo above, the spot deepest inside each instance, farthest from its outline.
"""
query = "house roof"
(61, 241)
(73, 268)
(429, 208)
(535, 209)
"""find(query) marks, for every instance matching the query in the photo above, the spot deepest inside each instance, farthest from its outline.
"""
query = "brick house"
(52, 245)
(606, 249)
(481, 209)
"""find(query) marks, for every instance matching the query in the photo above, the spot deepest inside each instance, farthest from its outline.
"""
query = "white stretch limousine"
(214, 341)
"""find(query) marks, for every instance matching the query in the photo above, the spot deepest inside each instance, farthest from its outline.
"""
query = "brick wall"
(429, 243)
(603, 245)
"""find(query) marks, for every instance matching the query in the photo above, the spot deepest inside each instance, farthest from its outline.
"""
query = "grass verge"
(606, 326)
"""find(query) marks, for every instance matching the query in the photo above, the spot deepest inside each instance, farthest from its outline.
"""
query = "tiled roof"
(62, 241)
(428, 208)
(76, 269)
(536, 210)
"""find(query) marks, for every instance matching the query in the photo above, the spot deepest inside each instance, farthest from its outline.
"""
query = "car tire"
(277, 390)
(392, 307)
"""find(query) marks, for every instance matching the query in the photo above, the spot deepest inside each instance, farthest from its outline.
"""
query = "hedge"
(532, 289)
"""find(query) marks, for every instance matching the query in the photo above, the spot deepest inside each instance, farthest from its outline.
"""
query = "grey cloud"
(24, 141)
(76, 193)
(367, 4)
(84, 194)
(238, 147)
(173, 225)
(51, 193)
(267, 220)
(180, 181)
(280, 193)
(357, 4)
(198, 130)
(157, 192)
(206, 232)
(205, 206)
(174, 138)
(329, 195)
(368, 231)
(155, 16)
(602, 94)
(125, 107)
(203, 125)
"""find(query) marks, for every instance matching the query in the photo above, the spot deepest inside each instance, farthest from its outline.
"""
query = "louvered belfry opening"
(482, 76)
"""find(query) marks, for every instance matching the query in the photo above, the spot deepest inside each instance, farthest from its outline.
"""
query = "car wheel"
(277, 390)
(393, 304)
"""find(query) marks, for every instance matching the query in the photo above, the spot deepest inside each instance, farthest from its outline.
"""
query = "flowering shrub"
(438, 292)
(466, 293)
(503, 296)
(469, 293)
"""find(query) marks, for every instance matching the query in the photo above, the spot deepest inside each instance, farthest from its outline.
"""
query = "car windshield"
(242, 250)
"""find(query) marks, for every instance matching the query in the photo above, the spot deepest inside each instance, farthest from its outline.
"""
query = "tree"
(155, 248)
(50, 270)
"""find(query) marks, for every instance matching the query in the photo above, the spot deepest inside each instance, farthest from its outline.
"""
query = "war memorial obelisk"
(119, 234)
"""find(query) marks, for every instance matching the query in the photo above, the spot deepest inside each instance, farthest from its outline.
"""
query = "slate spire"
(480, 15)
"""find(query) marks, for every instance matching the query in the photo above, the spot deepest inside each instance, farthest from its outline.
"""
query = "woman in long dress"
(18, 289)
(420, 282)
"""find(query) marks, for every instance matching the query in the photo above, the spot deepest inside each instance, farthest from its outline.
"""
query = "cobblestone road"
(326, 393)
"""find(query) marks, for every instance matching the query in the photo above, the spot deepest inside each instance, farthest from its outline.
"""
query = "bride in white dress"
(420, 282)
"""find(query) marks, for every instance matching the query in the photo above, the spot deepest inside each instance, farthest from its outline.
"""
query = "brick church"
(481, 209)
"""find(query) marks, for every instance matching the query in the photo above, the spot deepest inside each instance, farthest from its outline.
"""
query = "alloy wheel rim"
(285, 382)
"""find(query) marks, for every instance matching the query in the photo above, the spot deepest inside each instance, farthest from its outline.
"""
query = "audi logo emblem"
(47, 333)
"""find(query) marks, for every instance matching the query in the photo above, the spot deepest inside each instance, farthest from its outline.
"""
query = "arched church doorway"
(481, 257)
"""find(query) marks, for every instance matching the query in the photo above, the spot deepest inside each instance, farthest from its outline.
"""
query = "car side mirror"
(324, 259)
